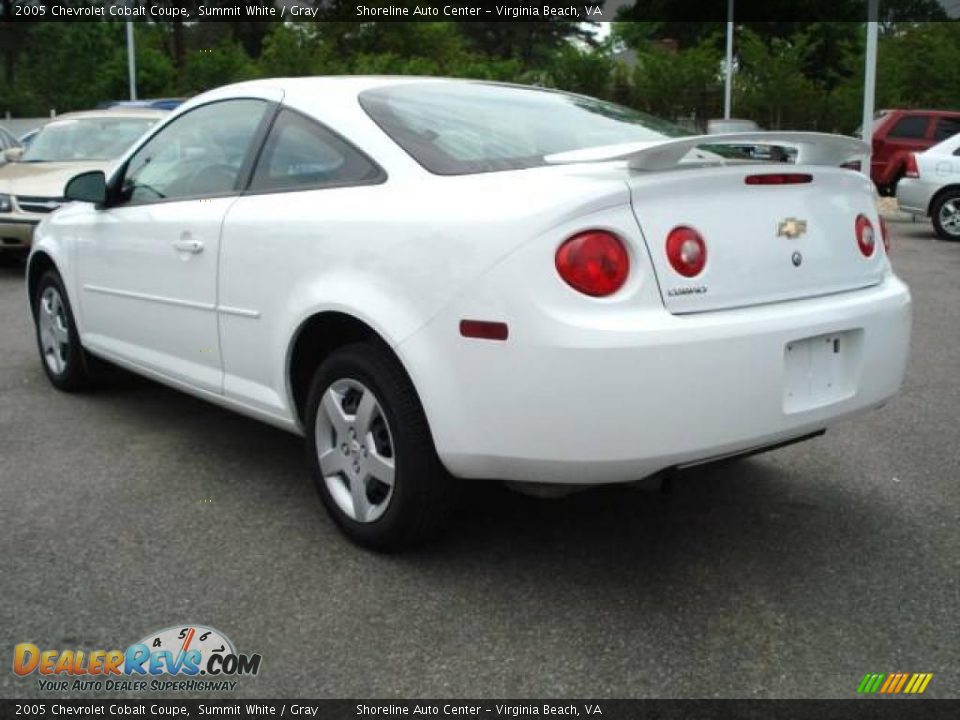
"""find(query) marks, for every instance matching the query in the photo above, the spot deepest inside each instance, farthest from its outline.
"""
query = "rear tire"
(61, 354)
(945, 214)
(371, 452)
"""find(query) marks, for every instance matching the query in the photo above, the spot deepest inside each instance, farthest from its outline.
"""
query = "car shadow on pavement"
(751, 522)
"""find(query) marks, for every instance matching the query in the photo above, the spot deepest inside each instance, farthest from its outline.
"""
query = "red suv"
(898, 133)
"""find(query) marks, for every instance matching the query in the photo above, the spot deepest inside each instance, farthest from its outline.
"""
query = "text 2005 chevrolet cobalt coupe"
(438, 279)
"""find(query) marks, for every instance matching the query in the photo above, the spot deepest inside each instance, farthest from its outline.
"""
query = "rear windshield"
(461, 128)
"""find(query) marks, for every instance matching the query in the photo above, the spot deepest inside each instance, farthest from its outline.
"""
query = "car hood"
(43, 179)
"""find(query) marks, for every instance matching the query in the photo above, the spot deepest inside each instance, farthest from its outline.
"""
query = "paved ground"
(787, 575)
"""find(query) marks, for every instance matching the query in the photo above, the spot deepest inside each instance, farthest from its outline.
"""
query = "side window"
(300, 154)
(911, 127)
(946, 127)
(198, 154)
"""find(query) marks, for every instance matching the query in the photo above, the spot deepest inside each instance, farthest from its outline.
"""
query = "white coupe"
(437, 279)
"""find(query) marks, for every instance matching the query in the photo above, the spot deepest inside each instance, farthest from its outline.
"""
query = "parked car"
(156, 103)
(28, 137)
(433, 279)
(8, 141)
(32, 186)
(725, 126)
(931, 187)
(898, 133)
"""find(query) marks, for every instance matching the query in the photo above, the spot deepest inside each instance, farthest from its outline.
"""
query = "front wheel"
(945, 214)
(63, 357)
(371, 451)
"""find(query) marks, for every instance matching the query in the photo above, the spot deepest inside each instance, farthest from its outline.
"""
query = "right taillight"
(911, 170)
(595, 263)
(866, 239)
(686, 251)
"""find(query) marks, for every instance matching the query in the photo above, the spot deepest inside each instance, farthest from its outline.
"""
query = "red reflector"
(779, 179)
(865, 236)
(484, 329)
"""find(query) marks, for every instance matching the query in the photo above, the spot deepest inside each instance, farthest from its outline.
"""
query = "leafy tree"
(224, 63)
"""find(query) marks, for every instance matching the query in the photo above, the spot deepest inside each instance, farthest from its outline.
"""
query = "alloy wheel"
(54, 330)
(355, 450)
(950, 216)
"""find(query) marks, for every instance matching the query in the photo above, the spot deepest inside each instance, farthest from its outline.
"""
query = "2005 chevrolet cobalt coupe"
(436, 279)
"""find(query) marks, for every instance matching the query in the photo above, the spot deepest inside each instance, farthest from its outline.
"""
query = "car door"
(909, 133)
(302, 214)
(147, 264)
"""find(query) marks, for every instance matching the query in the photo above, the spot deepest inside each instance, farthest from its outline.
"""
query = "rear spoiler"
(812, 149)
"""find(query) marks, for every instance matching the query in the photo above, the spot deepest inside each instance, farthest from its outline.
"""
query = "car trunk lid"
(765, 242)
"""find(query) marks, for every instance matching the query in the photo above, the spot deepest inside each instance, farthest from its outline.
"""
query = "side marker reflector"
(484, 329)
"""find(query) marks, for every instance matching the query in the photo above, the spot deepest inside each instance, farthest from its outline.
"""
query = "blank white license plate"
(820, 370)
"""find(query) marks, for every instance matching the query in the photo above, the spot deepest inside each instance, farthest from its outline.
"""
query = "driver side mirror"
(87, 187)
(12, 154)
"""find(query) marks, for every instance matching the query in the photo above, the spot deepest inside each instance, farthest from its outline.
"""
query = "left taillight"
(911, 170)
(866, 238)
(595, 263)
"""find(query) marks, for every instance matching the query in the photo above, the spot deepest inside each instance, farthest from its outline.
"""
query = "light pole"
(728, 88)
(131, 60)
(870, 79)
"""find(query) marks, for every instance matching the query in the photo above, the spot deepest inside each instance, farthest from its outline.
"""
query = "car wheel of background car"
(891, 189)
(9, 259)
(945, 214)
(62, 356)
(371, 451)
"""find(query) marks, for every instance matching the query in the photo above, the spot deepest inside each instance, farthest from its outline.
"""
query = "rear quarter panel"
(391, 255)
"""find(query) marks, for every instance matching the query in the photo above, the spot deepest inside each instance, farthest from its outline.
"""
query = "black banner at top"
(474, 10)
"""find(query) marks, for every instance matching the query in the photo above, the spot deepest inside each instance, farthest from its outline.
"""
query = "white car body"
(665, 372)
(938, 169)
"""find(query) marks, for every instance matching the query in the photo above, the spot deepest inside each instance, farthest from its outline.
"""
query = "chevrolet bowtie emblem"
(791, 228)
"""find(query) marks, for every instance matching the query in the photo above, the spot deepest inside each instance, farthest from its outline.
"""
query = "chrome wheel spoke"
(333, 409)
(380, 468)
(366, 411)
(332, 462)
(361, 504)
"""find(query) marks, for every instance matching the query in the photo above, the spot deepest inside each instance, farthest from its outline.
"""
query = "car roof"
(112, 113)
(920, 111)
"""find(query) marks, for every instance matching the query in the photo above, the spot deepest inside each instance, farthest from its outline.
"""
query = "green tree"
(223, 63)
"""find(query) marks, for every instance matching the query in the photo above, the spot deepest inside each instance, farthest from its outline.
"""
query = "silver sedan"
(931, 187)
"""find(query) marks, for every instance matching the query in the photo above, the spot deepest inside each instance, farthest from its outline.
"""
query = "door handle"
(185, 244)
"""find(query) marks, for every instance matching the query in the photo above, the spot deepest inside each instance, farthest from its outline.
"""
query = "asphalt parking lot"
(134, 508)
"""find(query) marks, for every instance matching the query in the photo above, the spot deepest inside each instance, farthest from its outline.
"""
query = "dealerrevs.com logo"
(186, 658)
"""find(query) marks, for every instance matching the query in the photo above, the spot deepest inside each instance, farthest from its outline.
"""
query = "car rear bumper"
(913, 195)
(614, 404)
(16, 235)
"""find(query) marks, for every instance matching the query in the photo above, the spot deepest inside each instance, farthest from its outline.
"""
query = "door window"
(300, 154)
(911, 127)
(946, 128)
(199, 154)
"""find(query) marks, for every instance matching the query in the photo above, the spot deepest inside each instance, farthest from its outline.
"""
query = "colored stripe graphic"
(894, 683)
